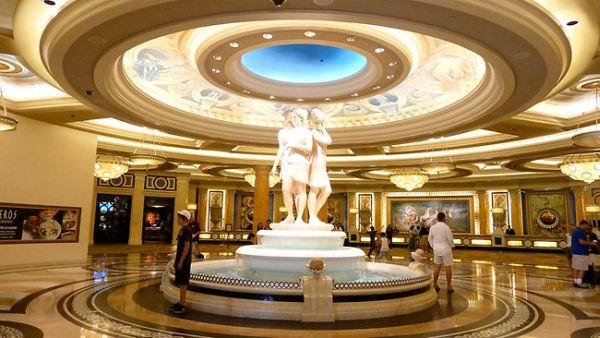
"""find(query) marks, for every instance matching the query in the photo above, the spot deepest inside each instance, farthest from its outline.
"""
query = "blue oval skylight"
(304, 63)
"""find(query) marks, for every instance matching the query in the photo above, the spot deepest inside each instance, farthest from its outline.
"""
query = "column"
(352, 226)
(378, 216)
(228, 207)
(261, 196)
(516, 211)
(579, 193)
(181, 202)
(137, 210)
(483, 212)
(202, 192)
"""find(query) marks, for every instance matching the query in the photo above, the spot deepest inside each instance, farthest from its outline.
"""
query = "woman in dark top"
(183, 259)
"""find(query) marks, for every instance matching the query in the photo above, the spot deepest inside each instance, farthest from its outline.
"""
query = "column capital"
(263, 169)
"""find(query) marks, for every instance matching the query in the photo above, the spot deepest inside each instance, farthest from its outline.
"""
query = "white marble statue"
(320, 188)
(295, 147)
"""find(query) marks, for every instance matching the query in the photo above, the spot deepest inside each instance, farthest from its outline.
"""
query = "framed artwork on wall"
(25, 223)
(422, 211)
(547, 213)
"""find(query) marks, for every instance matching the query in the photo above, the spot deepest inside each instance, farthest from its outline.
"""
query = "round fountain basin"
(384, 290)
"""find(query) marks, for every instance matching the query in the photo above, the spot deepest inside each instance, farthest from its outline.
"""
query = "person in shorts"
(183, 260)
(441, 240)
(580, 245)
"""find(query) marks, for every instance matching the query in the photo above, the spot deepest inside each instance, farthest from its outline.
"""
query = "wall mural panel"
(365, 211)
(216, 203)
(404, 212)
(547, 213)
(245, 209)
(336, 209)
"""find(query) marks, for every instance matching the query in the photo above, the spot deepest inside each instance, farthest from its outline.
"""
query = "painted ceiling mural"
(443, 74)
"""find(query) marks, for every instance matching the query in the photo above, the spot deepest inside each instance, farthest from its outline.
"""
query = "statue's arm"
(306, 146)
(322, 137)
(280, 151)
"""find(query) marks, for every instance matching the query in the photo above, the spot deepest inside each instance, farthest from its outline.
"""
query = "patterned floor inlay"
(18, 330)
(117, 295)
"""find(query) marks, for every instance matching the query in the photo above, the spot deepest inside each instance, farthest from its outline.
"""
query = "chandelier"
(586, 169)
(409, 179)
(590, 139)
(250, 177)
(147, 158)
(6, 123)
(438, 166)
(109, 167)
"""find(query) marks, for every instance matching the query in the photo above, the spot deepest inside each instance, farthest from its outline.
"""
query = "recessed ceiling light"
(215, 70)
(327, 99)
(246, 91)
(310, 34)
(390, 76)
(300, 100)
(392, 64)
(351, 38)
(572, 23)
(272, 97)
(217, 57)
(354, 95)
(376, 87)
(228, 82)
(379, 50)
(267, 36)
(234, 44)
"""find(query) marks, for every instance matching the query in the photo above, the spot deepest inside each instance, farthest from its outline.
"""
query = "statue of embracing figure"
(303, 160)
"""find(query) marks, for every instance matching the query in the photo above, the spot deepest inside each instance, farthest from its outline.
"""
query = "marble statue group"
(302, 157)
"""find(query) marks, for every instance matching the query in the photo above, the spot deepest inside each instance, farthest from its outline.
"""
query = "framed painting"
(547, 213)
(422, 211)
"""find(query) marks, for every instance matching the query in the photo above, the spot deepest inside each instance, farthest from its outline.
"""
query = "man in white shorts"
(441, 240)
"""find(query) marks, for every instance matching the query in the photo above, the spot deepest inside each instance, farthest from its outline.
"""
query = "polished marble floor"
(116, 294)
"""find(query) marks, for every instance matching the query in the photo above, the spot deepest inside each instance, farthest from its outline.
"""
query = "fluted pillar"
(483, 212)
(516, 211)
(137, 210)
(579, 194)
(261, 197)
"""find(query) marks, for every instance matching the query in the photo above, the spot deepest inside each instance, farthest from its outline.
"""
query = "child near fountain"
(384, 249)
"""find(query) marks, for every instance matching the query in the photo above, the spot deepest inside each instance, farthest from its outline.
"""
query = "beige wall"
(44, 164)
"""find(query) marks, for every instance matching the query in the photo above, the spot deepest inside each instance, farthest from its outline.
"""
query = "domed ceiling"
(252, 81)
(499, 85)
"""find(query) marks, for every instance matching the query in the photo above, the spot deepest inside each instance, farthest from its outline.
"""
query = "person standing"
(389, 233)
(580, 244)
(183, 260)
(384, 248)
(441, 240)
(412, 238)
(423, 238)
(372, 234)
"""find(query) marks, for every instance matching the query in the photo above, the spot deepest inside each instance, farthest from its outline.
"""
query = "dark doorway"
(113, 215)
(158, 219)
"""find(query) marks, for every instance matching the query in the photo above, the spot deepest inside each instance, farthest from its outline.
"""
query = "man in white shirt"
(441, 240)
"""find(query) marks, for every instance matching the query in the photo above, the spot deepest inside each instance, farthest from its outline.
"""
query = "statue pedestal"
(318, 298)
(304, 226)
